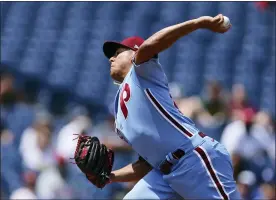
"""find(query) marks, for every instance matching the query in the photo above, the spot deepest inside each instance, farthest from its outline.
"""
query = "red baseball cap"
(133, 43)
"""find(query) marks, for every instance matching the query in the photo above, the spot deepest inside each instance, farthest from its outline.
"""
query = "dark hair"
(3, 125)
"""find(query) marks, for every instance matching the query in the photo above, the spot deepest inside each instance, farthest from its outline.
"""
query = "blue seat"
(235, 11)
(68, 55)
(103, 30)
(138, 27)
(189, 82)
(37, 58)
(50, 15)
(268, 88)
(63, 74)
(188, 69)
(10, 54)
(22, 13)
(16, 30)
(11, 46)
(256, 16)
(198, 9)
(167, 60)
(220, 71)
(90, 86)
(5, 10)
(110, 10)
(172, 12)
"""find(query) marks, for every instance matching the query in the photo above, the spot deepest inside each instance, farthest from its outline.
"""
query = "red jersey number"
(124, 98)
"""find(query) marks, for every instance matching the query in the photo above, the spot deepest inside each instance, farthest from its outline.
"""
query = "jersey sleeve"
(150, 70)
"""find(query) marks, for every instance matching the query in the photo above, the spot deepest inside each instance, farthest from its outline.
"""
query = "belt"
(166, 165)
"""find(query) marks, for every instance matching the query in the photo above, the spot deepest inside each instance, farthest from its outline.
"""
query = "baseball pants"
(204, 173)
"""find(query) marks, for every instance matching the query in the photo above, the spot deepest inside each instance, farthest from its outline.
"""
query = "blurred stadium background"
(55, 82)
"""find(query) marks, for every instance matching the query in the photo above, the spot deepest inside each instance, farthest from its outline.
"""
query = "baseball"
(226, 22)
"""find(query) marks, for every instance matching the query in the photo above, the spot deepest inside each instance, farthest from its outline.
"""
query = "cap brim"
(110, 47)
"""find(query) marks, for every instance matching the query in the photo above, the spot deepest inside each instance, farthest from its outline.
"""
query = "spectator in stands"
(239, 102)
(73, 183)
(251, 135)
(233, 133)
(79, 123)
(28, 190)
(251, 143)
(8, 94)
(247, 186)
(35, 145)
(269, 191)
(213, 109)
(214, 103)
(190, 106)
(264, 132)
(6, 135)
(51, 182)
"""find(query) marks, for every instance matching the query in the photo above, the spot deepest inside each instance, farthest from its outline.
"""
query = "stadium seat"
(268, 88)
(173, 12)
(235, 11)
(36, 63)
(5, 8)
(89, 86)
(16, 30)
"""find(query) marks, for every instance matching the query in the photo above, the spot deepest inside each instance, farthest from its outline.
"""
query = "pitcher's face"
(120, 63)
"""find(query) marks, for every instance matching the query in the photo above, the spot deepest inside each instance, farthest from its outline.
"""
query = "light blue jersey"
(148, 120)
(146, 116)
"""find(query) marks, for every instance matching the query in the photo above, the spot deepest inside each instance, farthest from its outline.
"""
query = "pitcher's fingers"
(216, 19)
(221, 19)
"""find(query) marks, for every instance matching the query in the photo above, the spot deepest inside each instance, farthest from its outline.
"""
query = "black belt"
(165, 166)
